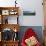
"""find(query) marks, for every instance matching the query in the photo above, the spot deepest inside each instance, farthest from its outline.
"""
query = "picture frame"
(12, 12)
(29, 13)
(5, 12)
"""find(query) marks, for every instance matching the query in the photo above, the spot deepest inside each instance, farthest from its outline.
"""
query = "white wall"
(31, 5)
(6, 3)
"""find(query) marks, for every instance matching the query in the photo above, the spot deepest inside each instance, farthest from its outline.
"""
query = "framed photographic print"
(29, 13)
(5, 12)
(12, 12)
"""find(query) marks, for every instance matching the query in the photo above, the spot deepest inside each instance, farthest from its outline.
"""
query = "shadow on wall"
(37, 29)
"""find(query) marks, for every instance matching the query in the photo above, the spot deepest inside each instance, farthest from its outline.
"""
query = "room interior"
(17, 16)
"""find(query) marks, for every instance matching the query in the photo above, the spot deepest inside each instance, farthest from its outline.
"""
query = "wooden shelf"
(4, 13)
(9, 43)
(8, 8)
(11, 26)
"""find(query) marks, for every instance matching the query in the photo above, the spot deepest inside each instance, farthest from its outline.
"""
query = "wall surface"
(27, 5)
(32, 5)
(36, 29)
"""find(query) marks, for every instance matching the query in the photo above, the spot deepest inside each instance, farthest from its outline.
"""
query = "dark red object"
(29, 33)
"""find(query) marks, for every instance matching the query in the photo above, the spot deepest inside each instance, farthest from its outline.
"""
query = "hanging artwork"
(27, 13)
